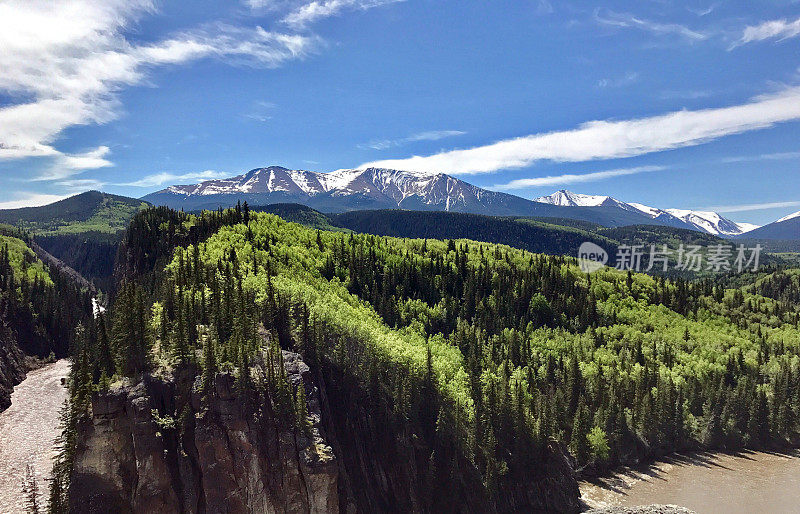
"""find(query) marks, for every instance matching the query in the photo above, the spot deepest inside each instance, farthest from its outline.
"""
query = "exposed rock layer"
(131, 459)
(644, 509)
(12, 367)
(218, 458)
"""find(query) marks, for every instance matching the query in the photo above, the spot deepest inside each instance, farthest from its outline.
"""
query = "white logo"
(591, 257)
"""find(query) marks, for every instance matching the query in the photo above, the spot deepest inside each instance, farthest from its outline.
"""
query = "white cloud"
(625, 20)
(261, 111)
(751, 206)
(597, 140)
(570, 178)
(159, 179)
(30, 200)
(704, 11)
(544, 7)
(685, 95)
(318, 9)
(64, 63)
(629, 78)
(779, 156)
(783, 29)
(67, 165)
(81, 184)
(432, 135)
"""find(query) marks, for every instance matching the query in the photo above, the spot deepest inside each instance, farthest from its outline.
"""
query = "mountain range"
(377, 188)
(787, 227)
(704, 221)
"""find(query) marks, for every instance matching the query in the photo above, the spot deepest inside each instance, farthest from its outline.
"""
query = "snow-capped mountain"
(703, 221)
(790, 216)
(712, 222)
(566, 198)
(343, 190)
(787, 227)
(377, 188)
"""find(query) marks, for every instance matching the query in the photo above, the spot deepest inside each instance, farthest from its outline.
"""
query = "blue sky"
(673, 104)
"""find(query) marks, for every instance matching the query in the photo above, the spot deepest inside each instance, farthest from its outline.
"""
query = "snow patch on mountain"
(391, 187)
(566, 198)
(790, 216)
(704, 221)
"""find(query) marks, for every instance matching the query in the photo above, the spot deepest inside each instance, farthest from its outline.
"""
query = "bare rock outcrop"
(12, 366)
(218, 457)
(644, 509)
(167, 446)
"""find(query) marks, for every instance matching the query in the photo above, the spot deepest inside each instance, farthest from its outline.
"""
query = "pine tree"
(30, 488)
(580, 429)
(209, 363)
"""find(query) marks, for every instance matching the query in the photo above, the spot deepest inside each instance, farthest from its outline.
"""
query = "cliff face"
(220, 457)
(389, 465)
(130, 459)
(12, 365)
(12, 361)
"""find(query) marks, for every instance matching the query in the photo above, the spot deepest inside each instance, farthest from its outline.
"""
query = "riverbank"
(708, 482)
(28, 429)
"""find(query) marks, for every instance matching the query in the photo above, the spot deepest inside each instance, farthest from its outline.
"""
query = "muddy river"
(747, 482)
(28, 429)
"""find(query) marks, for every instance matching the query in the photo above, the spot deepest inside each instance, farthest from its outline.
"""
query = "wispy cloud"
(159, 179)
(705, 11)
(30, 200)
(751, 206)
(261, 111)
(544, 7)
(570, 178)
(81, 184)
(597, 140)
(432, 135)
(775, 29)
(685, 95)
(67, 165)
(779, 156)
(629, 21)
(629, 78)
(314, 11)
(65, 62)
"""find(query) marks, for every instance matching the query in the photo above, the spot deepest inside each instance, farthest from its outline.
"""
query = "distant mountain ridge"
(343, 190)
(92, 211)
(704, 221)
(82, 231)
(786, 228)
(376, 188)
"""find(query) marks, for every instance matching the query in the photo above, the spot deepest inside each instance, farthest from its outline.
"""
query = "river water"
(28, 429)
(748, 482)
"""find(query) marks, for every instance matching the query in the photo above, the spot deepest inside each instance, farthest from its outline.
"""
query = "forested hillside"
(39, 308)
(92, 211)
(490, 358)
(83, 231)
(553, 236)
(532, 235)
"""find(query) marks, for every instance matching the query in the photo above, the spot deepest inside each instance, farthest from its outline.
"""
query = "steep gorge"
(159, 446)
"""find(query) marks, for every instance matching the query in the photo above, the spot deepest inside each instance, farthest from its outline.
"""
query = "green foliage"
(39, 304)
(486, 350)
(23, 262)
(598, 443)
(87, 212)
(164, 423)
(523, 233)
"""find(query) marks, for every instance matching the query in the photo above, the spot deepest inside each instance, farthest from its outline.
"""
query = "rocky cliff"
(159, 446)
(12, 365)
(216, 457)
